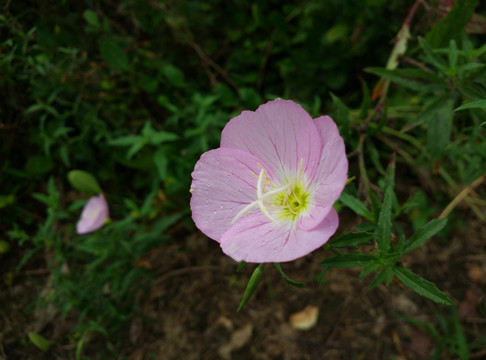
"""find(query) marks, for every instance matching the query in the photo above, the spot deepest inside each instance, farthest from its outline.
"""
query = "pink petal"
(331, 175)
(280, 133)
(254, 239)
(93, 216)
(224, 182)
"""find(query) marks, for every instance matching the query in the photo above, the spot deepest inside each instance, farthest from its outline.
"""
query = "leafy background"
(134, 92)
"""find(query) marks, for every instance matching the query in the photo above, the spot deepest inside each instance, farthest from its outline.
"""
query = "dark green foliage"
(125, 96)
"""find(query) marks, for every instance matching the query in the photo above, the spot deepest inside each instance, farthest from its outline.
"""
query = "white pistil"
(261, 197)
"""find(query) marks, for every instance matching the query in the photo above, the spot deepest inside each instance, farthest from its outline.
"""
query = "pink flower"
(267, 194)
(94, 215)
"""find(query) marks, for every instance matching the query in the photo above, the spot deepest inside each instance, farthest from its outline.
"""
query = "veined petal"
(224, 182)
(331, 175)
(280, 133)
(255, 239)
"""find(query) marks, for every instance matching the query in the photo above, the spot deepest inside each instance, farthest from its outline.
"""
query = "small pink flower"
(267, 194)
(94, 215)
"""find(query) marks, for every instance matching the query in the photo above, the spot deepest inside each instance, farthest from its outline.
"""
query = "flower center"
(292, 202)
(279, 202)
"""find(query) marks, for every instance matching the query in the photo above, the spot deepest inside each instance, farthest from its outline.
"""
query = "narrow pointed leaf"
(252, 285)
(423, 234)
(421, 286)
(384, 221)
(479, 104)
(348, 261)
(357, 206)
(351, 240)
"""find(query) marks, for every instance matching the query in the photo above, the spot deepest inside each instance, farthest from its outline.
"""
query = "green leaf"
(452, 25)
(252, 285)
(348, 260)
(39, 341)
(453, 54)
(357, 206)
(136, 147)
(4, 247)
(385, 275)
(6, 200)
(414, 79)
(38, 164)
(286, 278)
(342, 117)
(462, 346)
(429, 111)
(161, 162)
(337, 32)
(478, 104)
(174, 75)
(157, 138)
(125, 140)
(421, 286)
(148, 83)
(430, 56)
(439, 129)
(351, 240)
(423, 234)
(113, 54)
(91, 18)
(83, 181)
(384, 221)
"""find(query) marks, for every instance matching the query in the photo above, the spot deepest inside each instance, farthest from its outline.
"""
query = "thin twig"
(461, 196)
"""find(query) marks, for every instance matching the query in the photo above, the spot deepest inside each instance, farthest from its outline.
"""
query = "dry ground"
(191, 308)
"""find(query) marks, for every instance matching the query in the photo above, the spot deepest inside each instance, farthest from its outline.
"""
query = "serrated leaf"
(478, 104)
(252, 285)
(351, 240)
(423, 234)
(348, 260)
(421, 286)
(41, 342)
(286, 278)
(383, 231)
(357, 206)
(83, 181)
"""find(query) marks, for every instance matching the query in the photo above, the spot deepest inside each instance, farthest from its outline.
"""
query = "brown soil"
(190, 311)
